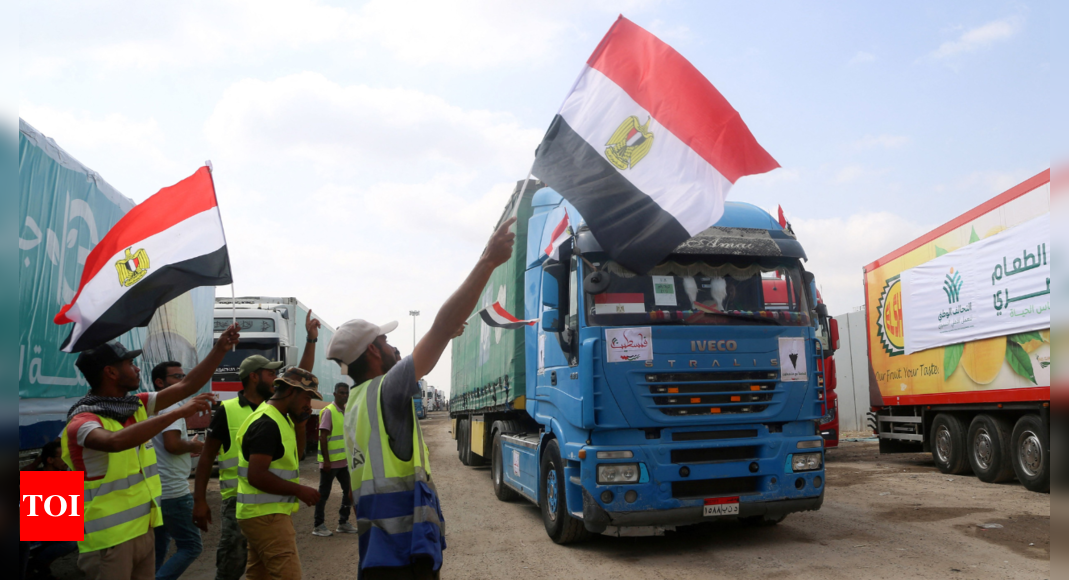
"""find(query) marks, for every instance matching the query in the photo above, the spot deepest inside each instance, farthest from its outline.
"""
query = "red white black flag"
(645, 148)
(165, 246)
(496, 316)
(561, 233)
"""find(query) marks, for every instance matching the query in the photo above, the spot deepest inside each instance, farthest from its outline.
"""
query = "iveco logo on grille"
(712, 345)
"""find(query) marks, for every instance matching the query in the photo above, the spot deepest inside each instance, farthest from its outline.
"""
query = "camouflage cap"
(302, 379)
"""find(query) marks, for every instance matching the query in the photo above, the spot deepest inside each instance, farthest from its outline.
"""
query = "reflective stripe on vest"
(388, 485)
(253, 502)
(336, 441)
(124, 504)
(228, 461)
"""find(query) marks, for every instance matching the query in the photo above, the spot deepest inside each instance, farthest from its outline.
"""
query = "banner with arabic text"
(994, 287)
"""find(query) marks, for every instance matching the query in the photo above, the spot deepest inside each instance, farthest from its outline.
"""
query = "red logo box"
(51, 506)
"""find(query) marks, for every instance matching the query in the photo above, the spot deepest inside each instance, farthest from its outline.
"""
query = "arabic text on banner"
(993, 287)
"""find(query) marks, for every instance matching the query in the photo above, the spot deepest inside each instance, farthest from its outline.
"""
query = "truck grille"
(715, 487)
(715, 454)
(709, 393)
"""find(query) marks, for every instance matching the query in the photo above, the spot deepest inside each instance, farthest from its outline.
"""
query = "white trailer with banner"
(958, 329)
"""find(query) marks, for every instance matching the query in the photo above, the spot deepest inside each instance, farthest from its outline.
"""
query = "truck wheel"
(1030, 460)
(560, 525)
(989, 449)
(497, 472)
(948, 445)
(464, 441)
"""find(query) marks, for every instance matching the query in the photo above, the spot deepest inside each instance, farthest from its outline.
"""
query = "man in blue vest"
(398, 514)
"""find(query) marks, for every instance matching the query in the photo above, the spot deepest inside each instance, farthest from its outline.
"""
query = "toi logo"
(51, 506)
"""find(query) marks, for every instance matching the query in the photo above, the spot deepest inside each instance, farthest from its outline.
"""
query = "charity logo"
(51, 506)
(952, 286)
(132, 267)
(794, 359)
(889, 321)
(630, 143)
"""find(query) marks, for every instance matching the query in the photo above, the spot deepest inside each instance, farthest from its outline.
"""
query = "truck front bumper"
(596, 519)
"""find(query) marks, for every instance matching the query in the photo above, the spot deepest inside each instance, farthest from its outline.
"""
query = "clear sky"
(363, 151)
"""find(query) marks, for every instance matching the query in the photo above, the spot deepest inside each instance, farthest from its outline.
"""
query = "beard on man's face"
(389, 358)
(264, 388)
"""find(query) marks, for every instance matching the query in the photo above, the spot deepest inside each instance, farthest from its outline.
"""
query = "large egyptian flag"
(646, 148)
(165, 246)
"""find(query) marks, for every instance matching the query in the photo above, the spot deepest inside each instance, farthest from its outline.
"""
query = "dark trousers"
(177, 526)
(326, 481)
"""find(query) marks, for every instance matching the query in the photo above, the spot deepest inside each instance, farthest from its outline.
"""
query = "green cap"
(256, 363)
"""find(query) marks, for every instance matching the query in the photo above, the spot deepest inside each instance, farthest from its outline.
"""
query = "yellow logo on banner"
(132, 267)
(890, 323)
(629, 144)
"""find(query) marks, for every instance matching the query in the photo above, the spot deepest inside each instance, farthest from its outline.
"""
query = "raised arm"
(311, 326)
(458, 307)
(138, 433)
(202, 373)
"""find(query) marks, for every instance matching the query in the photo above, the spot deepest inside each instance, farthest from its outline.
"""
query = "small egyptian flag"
(164, 247)
(561, 233)
(783, 223)
(620, 303)
(496, 316)
(645, 148)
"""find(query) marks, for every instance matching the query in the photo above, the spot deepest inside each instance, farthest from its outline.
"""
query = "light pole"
(413, 314)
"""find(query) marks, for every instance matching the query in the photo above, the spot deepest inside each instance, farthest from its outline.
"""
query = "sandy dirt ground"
(883, 517)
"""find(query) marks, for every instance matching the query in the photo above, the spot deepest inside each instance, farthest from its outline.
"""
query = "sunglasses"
(177, 376)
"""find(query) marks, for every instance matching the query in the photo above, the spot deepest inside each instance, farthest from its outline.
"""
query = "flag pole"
(233, 300)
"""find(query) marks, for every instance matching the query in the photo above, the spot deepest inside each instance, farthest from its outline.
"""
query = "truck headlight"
(807, 462)
(613, 473)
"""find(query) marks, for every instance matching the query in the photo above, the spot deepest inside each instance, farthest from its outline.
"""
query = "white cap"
(352, 339)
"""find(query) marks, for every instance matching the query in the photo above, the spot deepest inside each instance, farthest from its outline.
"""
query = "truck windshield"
(246, 348)
(702, 290)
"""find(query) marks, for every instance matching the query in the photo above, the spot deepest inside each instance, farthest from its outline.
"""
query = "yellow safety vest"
(401, 490)
(228, 461)
(336, 441)
(252, 502)
(126, 502)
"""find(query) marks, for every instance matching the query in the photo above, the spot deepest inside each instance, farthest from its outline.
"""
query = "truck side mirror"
(551, 321)
(822, 310)
(834, 325)
(551, 286)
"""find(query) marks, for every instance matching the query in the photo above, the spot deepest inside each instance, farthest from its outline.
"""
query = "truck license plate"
(721, 506)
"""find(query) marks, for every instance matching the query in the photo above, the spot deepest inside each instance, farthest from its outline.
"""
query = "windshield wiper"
(740, 316)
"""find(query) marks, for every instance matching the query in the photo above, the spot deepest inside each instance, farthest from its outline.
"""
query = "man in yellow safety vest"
(108, 436)
(269, 477)
(398, 513)
(332, 464)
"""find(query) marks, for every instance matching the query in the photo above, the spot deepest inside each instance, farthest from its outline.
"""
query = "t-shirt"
(95, 463)
(326, 423)
(174, 469)
(263, 438)
(399, 386)
(218, 429)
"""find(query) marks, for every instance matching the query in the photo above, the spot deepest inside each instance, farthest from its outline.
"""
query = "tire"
(948, 445)
(1031, 461)
(497, 473)
(561, 527)
(464, 441)
(989, 449)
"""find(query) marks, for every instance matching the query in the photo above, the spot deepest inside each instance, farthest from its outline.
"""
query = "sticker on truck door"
(516, 463)
(628, 344)
(792, 359)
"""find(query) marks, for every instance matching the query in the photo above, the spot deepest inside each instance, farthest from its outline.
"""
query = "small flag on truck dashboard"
(496, 316)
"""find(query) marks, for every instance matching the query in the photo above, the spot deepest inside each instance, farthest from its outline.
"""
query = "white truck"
(272, 327)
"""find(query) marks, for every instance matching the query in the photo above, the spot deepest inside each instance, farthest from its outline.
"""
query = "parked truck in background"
(640, 403)
(980, 405)
(274, 328)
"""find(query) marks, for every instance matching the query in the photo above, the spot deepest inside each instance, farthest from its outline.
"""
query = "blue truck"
(639, 404)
